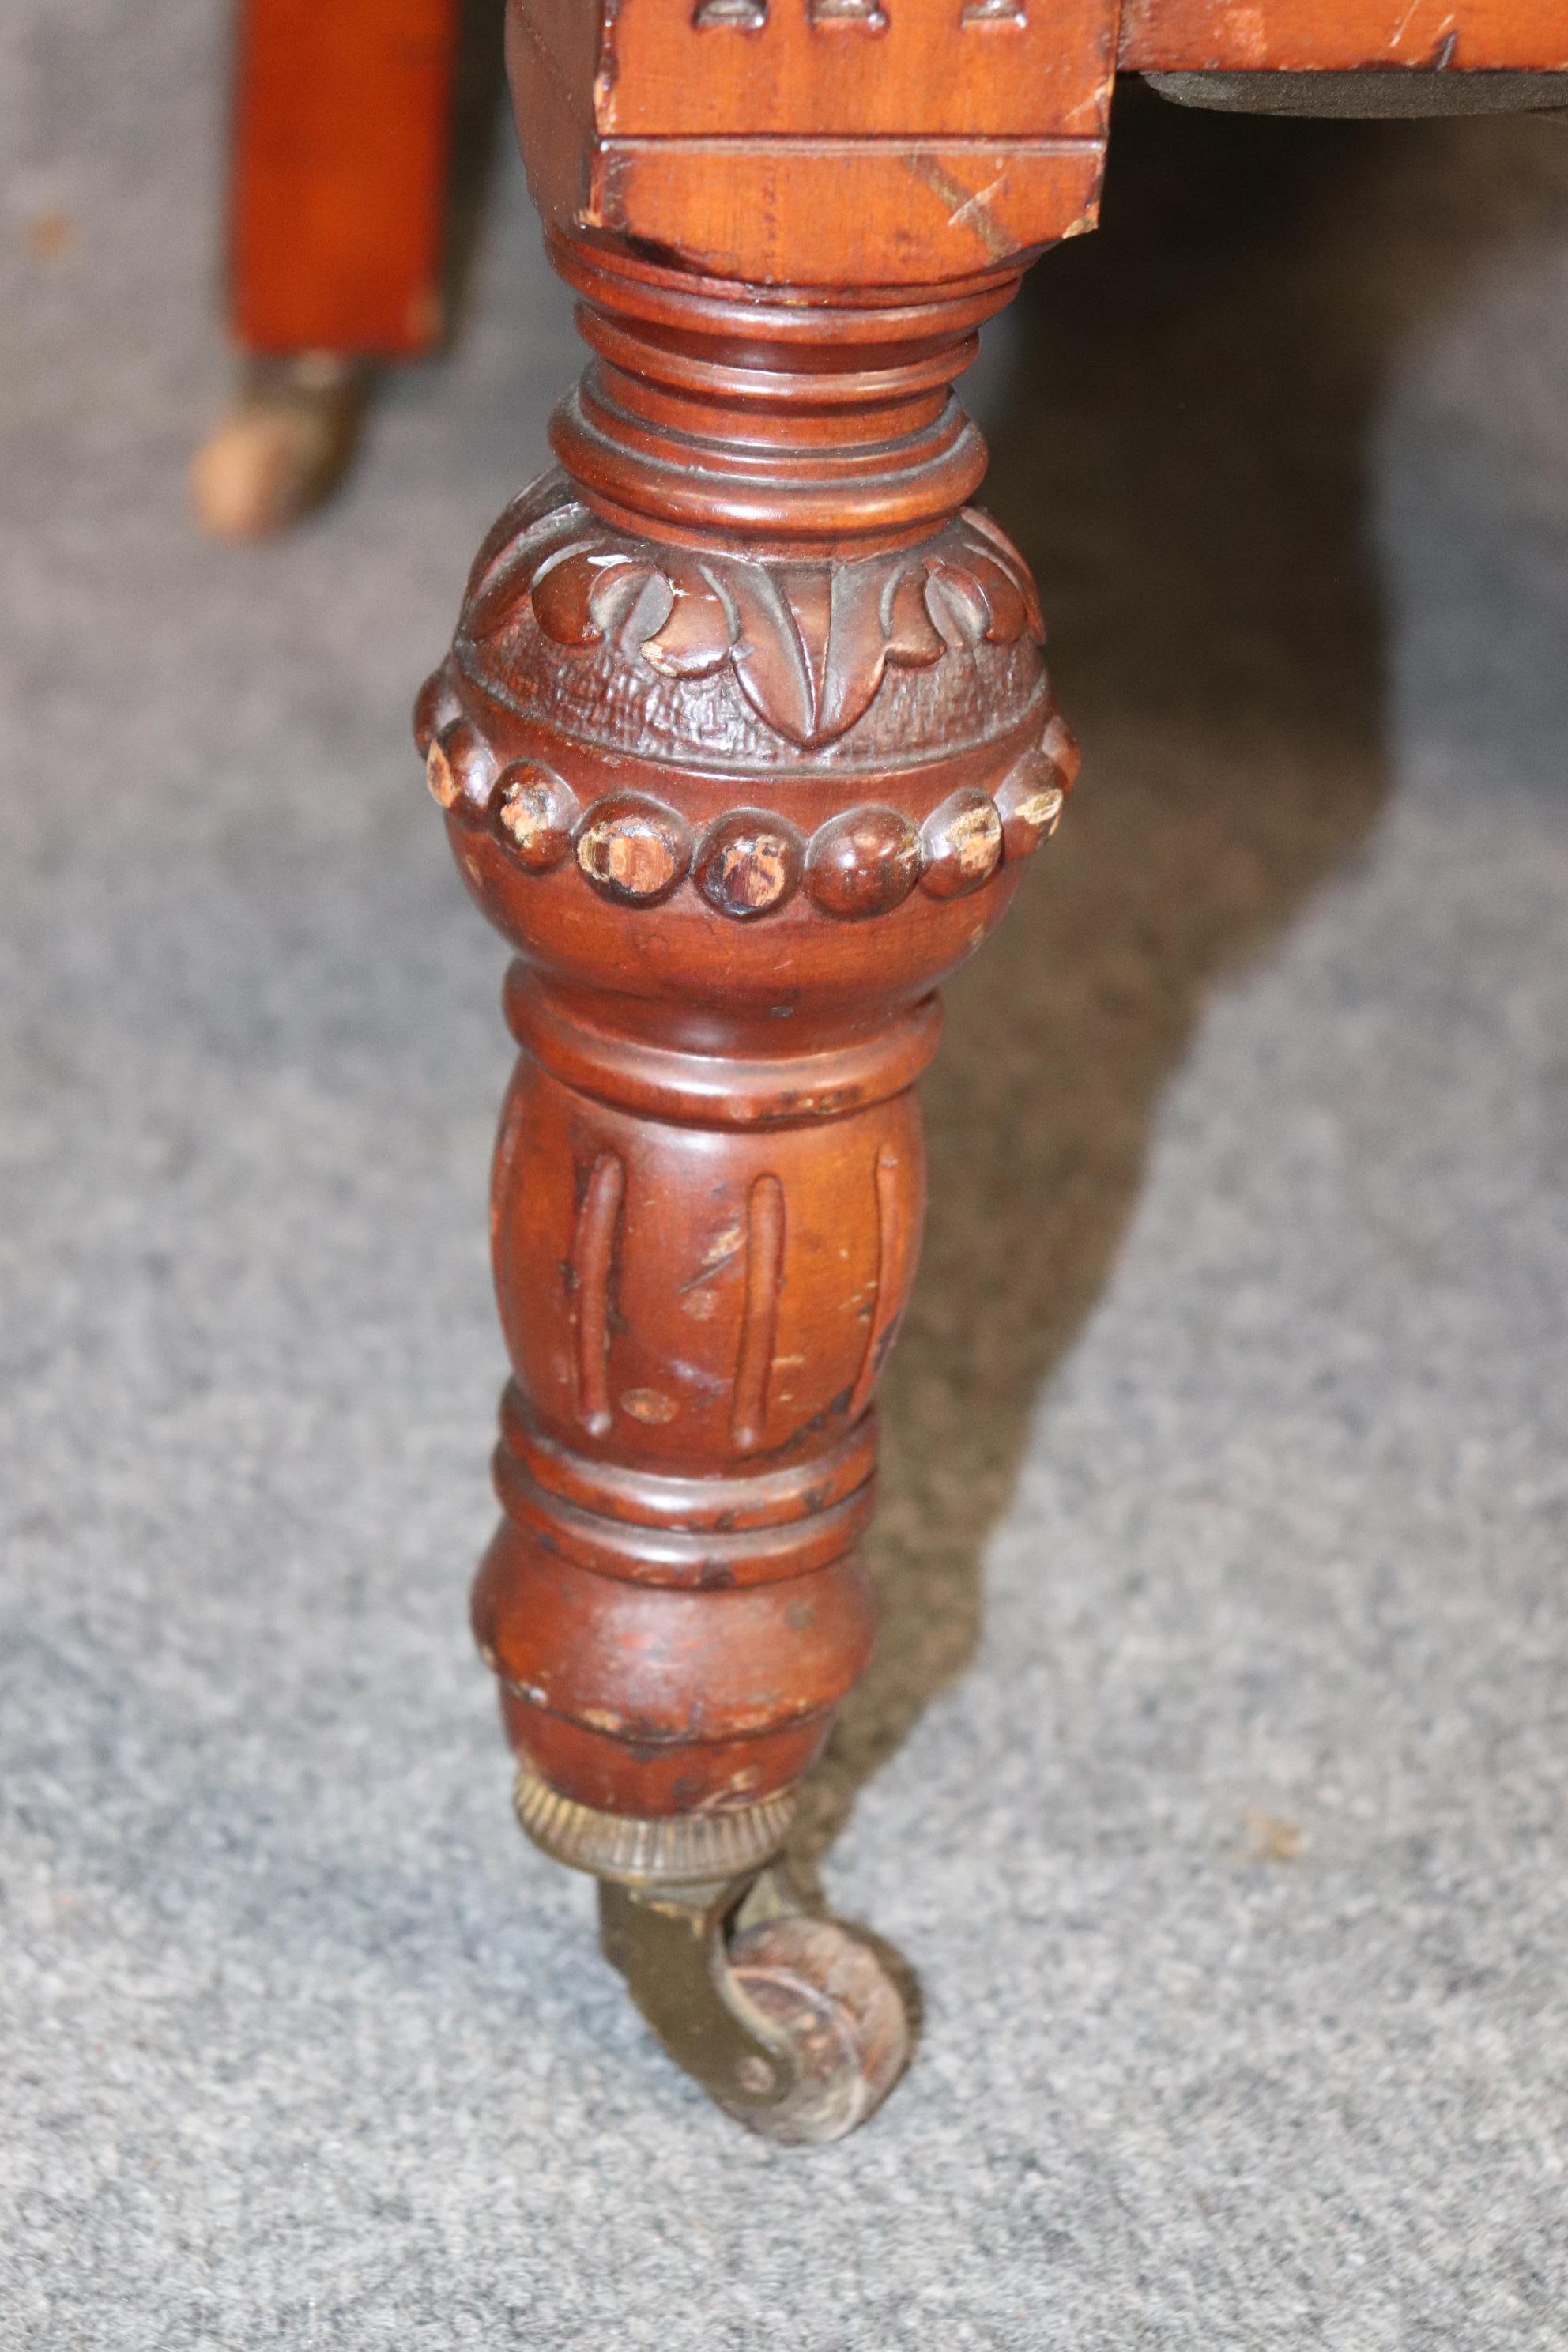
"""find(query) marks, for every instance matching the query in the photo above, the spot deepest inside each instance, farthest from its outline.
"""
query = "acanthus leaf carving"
(779, 624)
(809, 641)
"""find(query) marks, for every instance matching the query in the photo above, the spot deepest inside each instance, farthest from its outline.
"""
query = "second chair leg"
(336, 237)
(283, 445)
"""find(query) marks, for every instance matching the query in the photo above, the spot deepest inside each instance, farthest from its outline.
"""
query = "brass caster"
(789, 2021)
(282, 448)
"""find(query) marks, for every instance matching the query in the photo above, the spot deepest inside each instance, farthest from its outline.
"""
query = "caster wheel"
(790, 2022)
(281, 449)
(827, 1994)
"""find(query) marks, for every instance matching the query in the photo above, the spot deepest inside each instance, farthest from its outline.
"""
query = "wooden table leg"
(744, 741)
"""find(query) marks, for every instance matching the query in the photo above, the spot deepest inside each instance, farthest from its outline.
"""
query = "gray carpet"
(1212, 1774)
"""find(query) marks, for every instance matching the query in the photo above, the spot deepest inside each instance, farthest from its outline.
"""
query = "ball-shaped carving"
(864, 862)
(1059, 743)
(459, 767)
(633, 849)
(435, 706)
(1030, 800)
(749, 864)
(961, 844)
(534, 812)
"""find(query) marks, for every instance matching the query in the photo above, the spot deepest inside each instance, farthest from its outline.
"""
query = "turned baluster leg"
(745, 743)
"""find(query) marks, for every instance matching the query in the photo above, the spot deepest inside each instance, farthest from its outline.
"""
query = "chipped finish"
(633, 849)
(650, 1405)
(725, 993)
(1061, 746)
(747, 672)
(459, 766)
(533, 812)
(961, 844)
(441, 777)
(750, 863)
(1030, 803)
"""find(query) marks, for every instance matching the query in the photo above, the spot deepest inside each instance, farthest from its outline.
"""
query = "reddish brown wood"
(794, 142)
(1320, 36)
(741, 711)
(339, 174)
(828, 144)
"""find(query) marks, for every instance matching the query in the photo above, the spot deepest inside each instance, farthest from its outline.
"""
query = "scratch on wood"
(977, 202)
(759, 1324)
(967, 205)
(592, 1248)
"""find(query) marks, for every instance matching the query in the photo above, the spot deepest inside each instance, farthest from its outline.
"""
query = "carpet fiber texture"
(1212, 1772)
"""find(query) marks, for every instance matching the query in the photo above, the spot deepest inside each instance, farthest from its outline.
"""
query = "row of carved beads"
(636, 850)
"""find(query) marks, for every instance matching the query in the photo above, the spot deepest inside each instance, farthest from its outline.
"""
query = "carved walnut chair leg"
(745, 743)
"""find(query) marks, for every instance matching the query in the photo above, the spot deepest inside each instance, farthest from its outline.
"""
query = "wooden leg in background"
(744, 741)
(282, 445)
(337, 208)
